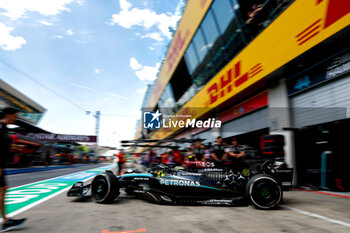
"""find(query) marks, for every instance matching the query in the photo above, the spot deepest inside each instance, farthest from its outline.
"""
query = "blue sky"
(100, 54)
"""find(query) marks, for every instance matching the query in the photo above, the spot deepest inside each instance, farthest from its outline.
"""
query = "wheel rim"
(266, 193)
(100, 188)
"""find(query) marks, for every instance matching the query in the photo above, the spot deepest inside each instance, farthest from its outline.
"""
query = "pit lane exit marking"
(24, 197)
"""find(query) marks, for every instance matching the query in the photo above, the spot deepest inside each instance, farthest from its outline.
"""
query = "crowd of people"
(230, 153)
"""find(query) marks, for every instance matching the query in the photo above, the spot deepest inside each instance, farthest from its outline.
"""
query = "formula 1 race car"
(207, 183)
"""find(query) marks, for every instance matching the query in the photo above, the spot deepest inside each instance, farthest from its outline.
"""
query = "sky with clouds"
(75, 55)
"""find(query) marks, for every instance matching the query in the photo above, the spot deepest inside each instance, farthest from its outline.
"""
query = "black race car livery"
(205, 183)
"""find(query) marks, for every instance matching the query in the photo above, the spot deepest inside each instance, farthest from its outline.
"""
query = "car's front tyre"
(105, 187)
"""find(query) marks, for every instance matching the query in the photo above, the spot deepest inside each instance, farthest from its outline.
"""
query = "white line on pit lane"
(57, 177)
(48, 171)
(36, 203)
(46, 198)
(318, 216)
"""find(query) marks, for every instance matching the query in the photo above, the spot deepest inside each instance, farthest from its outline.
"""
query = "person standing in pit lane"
(236, 155)
(217, 151)
(198, 151)
(189, 155)
(152, 158)
(121, 161)
(177, 157)
(7, 116)
(164, 158)
(170, 158)
(207, 147)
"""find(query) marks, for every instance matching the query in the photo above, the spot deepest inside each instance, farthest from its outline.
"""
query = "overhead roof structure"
(30, 110)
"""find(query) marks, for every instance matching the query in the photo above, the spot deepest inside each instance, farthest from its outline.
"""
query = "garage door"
(209, 136)
(326, 103)
(250, 122)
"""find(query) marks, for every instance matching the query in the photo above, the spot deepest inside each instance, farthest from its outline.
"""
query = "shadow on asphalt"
(19, 229)
(123, 199)
(82, 199)
(288, 201)
(118, 200)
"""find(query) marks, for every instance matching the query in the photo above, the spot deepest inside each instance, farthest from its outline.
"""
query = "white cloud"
(8, 41)
(45, 23)
(15, 9)
(154, 35)
(142, 90)
(59, 37)
(69, 32)
(148, 73)
(134, 64)
(151, 48)
(124, 5)
(146, 18)
(144, 73)
(97, 71)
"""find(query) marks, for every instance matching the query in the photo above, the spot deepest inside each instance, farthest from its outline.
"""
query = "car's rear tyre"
(264, 192)
(105, 187)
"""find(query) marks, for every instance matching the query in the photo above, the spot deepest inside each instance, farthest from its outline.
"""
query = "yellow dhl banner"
(194, 12)
(303, 25)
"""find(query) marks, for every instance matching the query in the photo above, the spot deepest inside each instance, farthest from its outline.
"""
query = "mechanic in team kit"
(7, 116)
(217, 151)
(236, 155)
(198, 151)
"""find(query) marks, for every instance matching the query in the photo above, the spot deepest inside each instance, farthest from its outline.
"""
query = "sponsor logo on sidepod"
(179, 182)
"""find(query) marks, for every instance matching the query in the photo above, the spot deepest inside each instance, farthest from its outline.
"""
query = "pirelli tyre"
(105, 187)
(264, 192)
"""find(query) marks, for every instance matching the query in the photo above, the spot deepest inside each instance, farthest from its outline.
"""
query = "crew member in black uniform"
(236, 155)
(7, 116)
(198, 151)
(217, 151)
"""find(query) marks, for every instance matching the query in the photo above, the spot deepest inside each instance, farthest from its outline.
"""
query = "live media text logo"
(155, 120)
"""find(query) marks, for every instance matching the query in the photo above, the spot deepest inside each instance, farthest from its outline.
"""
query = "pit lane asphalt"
(27, 178)
(300, 212)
